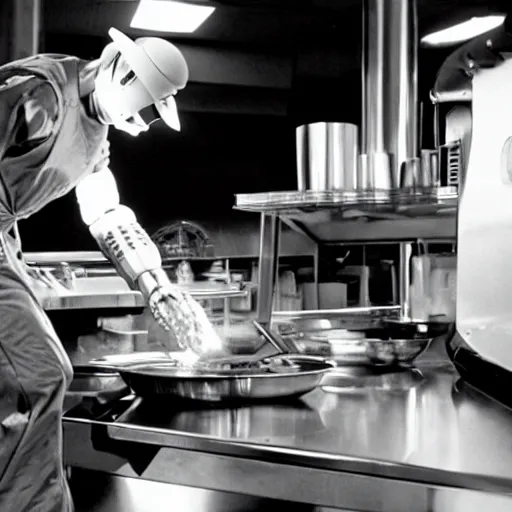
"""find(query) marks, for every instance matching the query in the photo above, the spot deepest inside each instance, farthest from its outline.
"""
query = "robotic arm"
(137, 260)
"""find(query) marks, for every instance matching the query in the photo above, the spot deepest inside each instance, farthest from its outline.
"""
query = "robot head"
(137, 81)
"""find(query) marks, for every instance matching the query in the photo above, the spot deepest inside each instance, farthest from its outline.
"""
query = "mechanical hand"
(137, 260)
(175, 310)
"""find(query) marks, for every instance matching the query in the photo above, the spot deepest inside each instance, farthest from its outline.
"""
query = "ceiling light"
(170, 16)
(463, 31)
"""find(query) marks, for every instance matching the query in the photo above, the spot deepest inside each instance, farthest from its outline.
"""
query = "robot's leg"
(34, 374)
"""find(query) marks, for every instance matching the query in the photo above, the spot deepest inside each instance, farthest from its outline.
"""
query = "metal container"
(393, 352)
(327, 155)
(430, 167)
(156, 375)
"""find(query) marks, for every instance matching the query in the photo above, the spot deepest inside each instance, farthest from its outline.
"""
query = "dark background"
(238, 123)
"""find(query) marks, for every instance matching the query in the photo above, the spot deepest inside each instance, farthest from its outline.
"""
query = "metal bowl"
(395, 351)
(348, 321)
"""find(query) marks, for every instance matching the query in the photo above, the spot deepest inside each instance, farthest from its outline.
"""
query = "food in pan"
(236, 365)
(274, 365)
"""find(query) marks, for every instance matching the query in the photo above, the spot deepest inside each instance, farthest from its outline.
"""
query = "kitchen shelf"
(204, 290)
(376, 205)
(337, 216)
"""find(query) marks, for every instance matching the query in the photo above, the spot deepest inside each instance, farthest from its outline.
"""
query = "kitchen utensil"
(395, 351)
(327, 155)
(402, 329)
(294, 376)
(378, 352)
(283, 345)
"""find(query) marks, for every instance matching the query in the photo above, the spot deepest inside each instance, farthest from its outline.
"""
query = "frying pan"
(156, 374)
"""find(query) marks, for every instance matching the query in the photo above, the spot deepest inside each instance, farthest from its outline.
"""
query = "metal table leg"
(269, 257)
(316, 297)
(405, 280)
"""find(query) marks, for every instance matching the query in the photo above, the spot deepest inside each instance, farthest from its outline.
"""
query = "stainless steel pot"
(327, 156)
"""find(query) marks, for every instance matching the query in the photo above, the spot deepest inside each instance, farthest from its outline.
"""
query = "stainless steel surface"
(418, 440)
(114, 300)
(429, 168)
(203, 291)
(327, 155)
(261, 479)
(279, 343)
(316, 273)
(381, 204)
(421, 425)
(390, 124)
(40, 258)
(411, 175)
(97, 492)
(268, 266)
(377, 173)
(365, 342)
(331, 227)
(337, 315)
(405, 281)
(307, 325)
(484, 261)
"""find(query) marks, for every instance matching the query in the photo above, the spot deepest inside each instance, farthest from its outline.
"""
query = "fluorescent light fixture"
(170, 16)
(463, 31)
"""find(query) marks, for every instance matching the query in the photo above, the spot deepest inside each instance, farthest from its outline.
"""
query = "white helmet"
(137, 82)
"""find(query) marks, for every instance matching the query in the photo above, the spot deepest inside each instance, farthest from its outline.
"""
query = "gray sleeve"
(36, 121)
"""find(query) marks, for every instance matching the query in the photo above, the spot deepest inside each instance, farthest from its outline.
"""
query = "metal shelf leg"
(270, 229)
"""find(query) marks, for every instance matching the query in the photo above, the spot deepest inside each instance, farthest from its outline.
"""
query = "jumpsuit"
(34, 368)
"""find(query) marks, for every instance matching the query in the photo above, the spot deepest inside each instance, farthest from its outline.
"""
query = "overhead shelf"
(336, 216)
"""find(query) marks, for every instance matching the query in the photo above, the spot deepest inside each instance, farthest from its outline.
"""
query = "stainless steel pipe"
(389, 135)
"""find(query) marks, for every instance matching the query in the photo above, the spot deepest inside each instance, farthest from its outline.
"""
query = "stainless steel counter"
(113, 300)
(417, 439)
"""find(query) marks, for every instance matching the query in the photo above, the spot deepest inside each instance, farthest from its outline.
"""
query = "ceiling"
(260, 56)
(258, 23)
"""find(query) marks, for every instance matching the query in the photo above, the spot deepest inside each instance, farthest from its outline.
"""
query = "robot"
(55, 112)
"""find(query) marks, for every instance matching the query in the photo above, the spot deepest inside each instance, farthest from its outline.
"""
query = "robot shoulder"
(39, 109)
